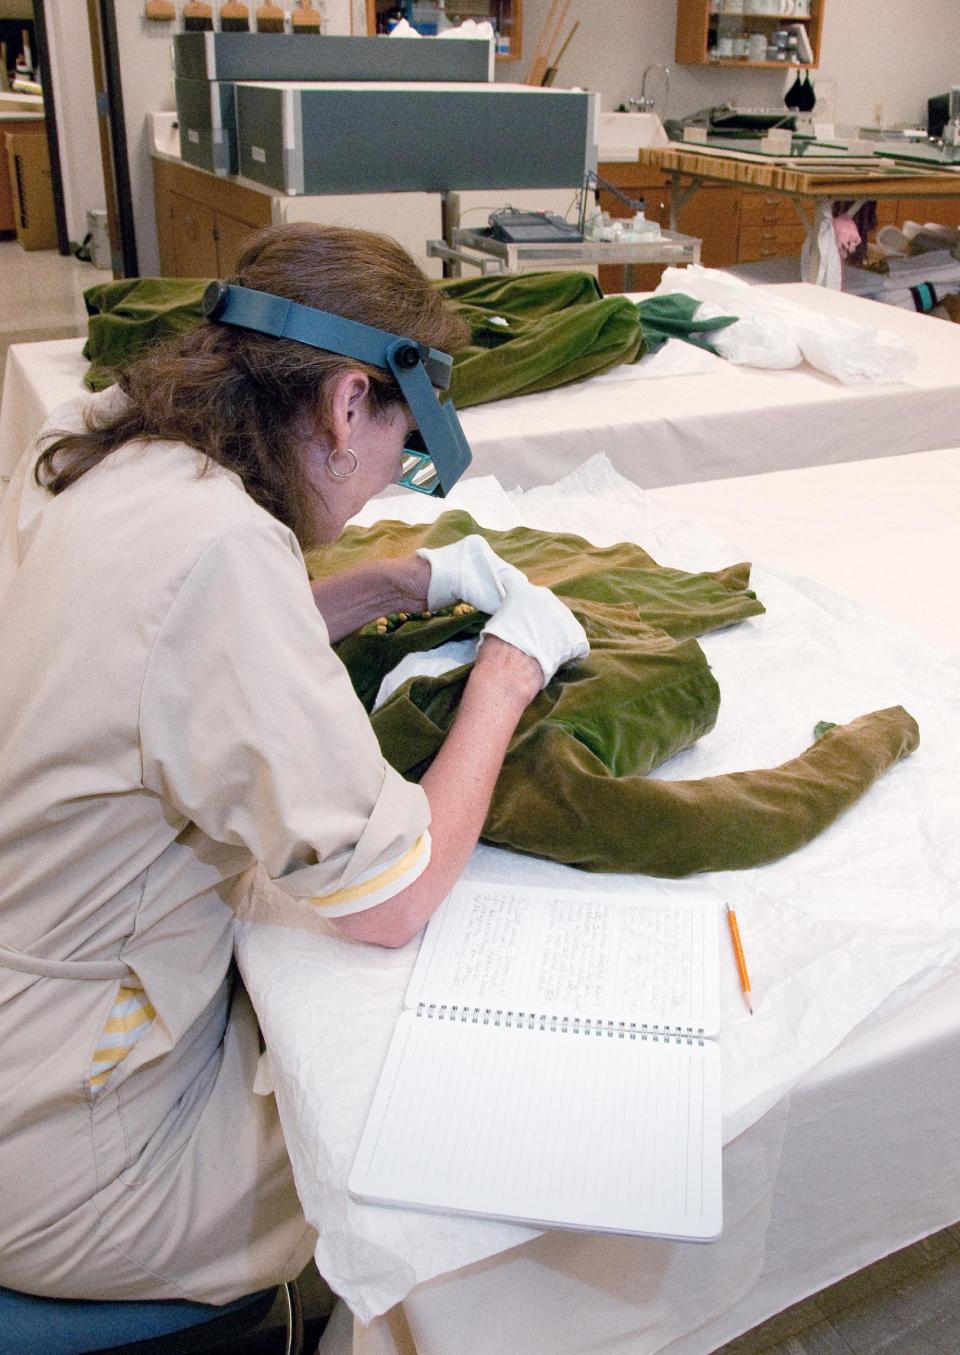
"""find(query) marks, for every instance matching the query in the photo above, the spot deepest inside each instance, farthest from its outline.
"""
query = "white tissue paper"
(402, 29)
(426, 663)
(867, 913)
(775, 333)
(470, 28)
(675, 358)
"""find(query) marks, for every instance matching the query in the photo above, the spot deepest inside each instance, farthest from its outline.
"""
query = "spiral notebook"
(553, 1065)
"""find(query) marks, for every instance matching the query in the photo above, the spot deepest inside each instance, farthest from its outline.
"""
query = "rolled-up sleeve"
(249, 728)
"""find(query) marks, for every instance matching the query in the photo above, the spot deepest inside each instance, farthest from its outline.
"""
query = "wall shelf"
(505, 15)
(695, 22)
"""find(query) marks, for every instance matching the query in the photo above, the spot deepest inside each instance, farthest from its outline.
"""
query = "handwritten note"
(567, 954)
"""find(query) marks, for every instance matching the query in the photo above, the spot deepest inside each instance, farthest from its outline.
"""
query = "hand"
(468, 571)
(533, 620)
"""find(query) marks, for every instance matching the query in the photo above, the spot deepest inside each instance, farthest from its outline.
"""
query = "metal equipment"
(437, 452)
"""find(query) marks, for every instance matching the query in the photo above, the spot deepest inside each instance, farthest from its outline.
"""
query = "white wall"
(146, 74)
(74, 96)
(875, 51)
(892, 53)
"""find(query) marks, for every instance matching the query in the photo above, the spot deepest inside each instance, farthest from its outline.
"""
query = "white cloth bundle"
(774, 333)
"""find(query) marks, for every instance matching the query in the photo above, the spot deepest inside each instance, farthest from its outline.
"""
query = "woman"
(181, 745)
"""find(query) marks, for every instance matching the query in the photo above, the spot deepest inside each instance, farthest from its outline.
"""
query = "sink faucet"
(646, 103)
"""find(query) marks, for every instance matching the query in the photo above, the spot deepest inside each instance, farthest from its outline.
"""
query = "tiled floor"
(42, 295)
(41, 289)
(906, 1304)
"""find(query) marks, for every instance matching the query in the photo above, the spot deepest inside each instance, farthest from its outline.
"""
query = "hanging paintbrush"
(234, 17)
(306, 18)
(270, 19)
(160, 11)
(198, 17)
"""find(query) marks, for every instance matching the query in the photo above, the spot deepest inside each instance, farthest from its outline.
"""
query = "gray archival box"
(392, 138)
(304, 56)
(208, 131)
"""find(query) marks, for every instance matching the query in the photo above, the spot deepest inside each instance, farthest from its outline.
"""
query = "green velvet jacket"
(575, 785)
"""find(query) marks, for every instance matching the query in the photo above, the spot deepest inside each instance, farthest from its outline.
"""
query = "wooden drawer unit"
(769, 242)
(767, 209)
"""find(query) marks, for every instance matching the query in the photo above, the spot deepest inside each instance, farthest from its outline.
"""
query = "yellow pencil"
(740, 959)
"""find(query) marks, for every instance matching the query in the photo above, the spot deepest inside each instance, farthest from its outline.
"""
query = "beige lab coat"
(178, 744)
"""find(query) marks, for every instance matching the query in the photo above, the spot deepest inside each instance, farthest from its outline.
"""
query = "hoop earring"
(342, 474)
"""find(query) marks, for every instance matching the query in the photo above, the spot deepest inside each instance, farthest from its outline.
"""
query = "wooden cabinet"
(203, 220)
(20, 126)
(735, 225)
(701, 30)
(505, 15)
(232, 236)
(769, 228)
(643, 184)
(944, 211)
(713, 215)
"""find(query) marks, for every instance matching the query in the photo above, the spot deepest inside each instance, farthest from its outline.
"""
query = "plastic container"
(99, 238)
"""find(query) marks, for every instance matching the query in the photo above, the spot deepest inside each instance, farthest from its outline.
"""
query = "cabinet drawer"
(755, 236)
(943, 211)
(633, 179)
(767, 209)
(748, 255)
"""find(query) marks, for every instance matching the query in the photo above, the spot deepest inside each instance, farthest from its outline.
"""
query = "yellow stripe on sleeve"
(376, 883)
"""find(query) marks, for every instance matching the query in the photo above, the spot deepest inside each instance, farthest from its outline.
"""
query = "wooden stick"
(558, 29)
(537, 51)
(551, 71)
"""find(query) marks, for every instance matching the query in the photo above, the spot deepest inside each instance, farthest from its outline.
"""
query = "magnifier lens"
(418, 472)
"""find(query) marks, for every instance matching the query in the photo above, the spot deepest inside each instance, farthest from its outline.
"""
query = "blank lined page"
(598, 957)
(594, 1131)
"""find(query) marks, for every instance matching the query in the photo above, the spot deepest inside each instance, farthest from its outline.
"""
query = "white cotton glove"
(468, 571)
(533, 620)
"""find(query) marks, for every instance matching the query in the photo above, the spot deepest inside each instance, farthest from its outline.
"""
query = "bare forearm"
(348, 601)
(459, 785)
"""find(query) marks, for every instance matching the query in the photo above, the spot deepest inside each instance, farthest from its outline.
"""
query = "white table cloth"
(729, 420)
(841, 1096)
(724, 421)
(833, 1158)
(37, 378)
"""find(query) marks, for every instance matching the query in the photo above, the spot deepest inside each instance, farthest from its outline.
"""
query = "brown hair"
(246, 399)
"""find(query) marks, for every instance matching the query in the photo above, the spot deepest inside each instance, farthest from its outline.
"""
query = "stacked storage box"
(207, 66)
(337, 115)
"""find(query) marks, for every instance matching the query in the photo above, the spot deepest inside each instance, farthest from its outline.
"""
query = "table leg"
(679, 196)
